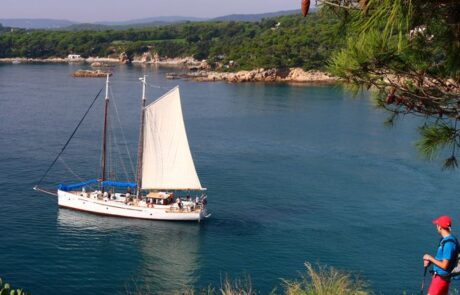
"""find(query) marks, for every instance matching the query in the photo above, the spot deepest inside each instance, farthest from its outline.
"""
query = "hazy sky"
(103, 10)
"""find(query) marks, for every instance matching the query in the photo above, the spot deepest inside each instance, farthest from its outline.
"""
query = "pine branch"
(434, 138)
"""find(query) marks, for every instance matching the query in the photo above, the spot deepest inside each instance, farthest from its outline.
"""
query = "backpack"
(454, 264)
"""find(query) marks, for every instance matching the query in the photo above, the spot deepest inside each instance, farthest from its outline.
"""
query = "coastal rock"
(264, 75)
(123, 58)
(146, 57)
(177, 61)
(204, 65)
(188, 61)
(299, 75)
(90, 74)
(102, 60)
(97, 64)
(34, 60)
(156, 58)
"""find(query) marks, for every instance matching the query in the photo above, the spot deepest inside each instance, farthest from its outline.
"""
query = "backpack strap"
(452, 240)
(453, 260)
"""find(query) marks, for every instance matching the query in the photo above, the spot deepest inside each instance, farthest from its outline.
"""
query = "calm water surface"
(295, 174)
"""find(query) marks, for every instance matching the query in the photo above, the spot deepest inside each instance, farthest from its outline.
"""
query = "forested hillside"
(287, 41)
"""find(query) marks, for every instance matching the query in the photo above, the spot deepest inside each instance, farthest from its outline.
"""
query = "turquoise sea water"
(294, 174)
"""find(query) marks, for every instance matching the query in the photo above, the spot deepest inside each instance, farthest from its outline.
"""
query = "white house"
(73, 56)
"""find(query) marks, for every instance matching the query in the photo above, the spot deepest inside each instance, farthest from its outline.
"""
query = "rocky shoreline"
(197, 70)
(292, 75)
(107, 61)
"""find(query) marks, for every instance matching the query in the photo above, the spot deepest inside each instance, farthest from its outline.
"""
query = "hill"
(281, 42)
(30, 23)
(26, 23)
(254, 17)
(157, 19)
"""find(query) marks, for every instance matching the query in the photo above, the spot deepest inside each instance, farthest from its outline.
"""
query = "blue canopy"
(70, 187)
(119, 184)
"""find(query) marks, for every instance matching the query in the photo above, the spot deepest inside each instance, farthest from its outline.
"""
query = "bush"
(325, 281)
(317, 281)
(6, 289)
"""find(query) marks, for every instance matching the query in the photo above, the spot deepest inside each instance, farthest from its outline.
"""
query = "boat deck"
(128, 202)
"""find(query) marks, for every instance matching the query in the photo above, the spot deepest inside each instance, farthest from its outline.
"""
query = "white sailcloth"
(167, 162)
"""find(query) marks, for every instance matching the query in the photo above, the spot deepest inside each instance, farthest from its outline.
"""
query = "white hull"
(87, 203)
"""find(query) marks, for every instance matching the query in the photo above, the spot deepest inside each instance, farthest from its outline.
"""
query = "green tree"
(408, 52)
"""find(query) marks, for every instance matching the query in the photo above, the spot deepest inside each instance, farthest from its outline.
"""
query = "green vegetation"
(6, 29)
(6, 289)
(287, 41)
(316, 281)
(325, 281)
(407, 51)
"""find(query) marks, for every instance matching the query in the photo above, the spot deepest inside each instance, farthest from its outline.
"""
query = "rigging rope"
(157, 86)
(68, 140)
(123, 136)
(69, 169)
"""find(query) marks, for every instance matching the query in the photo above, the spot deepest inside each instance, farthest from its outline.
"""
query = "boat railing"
(184, 209)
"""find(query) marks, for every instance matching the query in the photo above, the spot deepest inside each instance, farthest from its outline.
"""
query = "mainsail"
(166, 161)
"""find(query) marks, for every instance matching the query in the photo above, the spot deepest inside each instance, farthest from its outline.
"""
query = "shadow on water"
(168, 252)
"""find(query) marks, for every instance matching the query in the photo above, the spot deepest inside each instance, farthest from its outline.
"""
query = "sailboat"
(165, 167)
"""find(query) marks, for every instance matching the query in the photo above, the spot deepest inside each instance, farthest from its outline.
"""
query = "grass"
(318, 280)
(325, 281)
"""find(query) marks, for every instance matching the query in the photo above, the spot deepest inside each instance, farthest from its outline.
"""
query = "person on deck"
(445, 258)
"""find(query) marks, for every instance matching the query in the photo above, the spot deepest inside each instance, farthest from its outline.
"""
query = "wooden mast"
(104, 136)
(140, 148)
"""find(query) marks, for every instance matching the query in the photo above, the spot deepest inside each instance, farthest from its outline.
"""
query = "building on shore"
(74, 57)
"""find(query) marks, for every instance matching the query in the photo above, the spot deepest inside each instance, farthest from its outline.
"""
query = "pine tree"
(407, 52)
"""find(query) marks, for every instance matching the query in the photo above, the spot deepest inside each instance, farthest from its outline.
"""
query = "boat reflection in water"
(163, 256)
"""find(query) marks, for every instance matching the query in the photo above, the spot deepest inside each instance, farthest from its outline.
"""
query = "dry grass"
(317, 281)
(228, 287)
(325, 281)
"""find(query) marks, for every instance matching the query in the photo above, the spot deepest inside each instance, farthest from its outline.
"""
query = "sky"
(119, 10)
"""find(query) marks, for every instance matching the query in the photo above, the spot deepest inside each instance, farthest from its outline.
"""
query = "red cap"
(443, 221)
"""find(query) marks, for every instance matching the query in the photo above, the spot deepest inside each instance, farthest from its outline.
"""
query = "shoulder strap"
(452, 262)
(453, 240)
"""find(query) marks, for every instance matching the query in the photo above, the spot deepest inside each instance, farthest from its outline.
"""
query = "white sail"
(167, 162)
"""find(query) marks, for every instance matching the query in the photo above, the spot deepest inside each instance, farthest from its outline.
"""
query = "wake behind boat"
(165, 167)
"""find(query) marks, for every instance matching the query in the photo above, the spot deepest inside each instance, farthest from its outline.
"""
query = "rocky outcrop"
(186, 62)
(262, 75)
(34, 60)
(178, 61)
(146, 57)
(102, 60)
(98, 64)
(123, 58)
(90, 74)
(299, 75)
(89, 60)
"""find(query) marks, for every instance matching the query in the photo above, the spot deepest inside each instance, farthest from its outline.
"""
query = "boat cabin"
(160, 198)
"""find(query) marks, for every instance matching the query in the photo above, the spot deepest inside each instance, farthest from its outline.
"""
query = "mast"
(104, 136)
(140, 148)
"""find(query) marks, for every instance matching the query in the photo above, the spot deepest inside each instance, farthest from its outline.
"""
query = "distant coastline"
(181, 61)
(197, 70)
(58, 60)
(292, 75)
